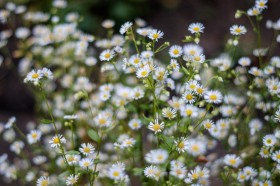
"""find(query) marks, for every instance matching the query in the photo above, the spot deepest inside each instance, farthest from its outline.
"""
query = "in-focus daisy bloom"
(72, 179)
(57, 140)
(237, 30)
(107, 55)
(143, 72)
(86, 149)
(188, 97)
(175, 51)
(182, 144)
(34, 76)
(43, 181)
(124, 28)
(34, 136)
(244, 61)
(156, 126)
(196, 28)
(232, 160)
(265, 152)
(155, 34)
(269, 140)
(86, 163)
(169, 113)
(213, 96)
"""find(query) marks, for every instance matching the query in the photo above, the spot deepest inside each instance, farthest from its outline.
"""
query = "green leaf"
(46, 121)
(94, 135)
(73, 152)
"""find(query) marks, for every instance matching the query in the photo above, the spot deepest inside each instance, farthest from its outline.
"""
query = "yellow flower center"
(199, 90)
(102, 121)
(87, 150)
(176, 51)
(195, 148)
(156, 127)
(189, 97)
(238, 30)
(44, 183)
(160, 157)
(213, 97)
(155, 36)
(197, 58)
(192, 87)
(189, 112)
(196, 28)
(116, 174)
(35, 76)
(56, 140)
(208, 125)
(70, 158)
(136, 61)
(135, 124)
(86, 164)
(107, 55)
(278, 156)
(34, 135)
(144, 73)
(192, 52)
(232, 161)
(181, 145)
(195, 176)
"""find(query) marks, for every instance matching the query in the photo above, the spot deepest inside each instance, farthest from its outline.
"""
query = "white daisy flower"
(276, 156)
(86, 163)
(169, 113)
(255, 11)
(135, 124)
(57, 140)
(43, 181)
(174, 65)
(244, 61)
(213, 96)
(175, 51)
(157, 156)
(155, 34)
(86, 149)
(73, 159)
(269, 140)
(232, 160)
(143, 72)
(182, 144)
(153, 172)
(208, 124)
(116, 171)
(124, 28)
(107, 55)
(34, 136)
(47, 73)
(196, 28)
(72, 179)
(238, 30)
(198, 58)
(261, 4)
(156, 126)
(189, 97)
(34, 76)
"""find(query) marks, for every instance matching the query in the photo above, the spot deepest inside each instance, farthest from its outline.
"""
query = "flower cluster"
(129, 105)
